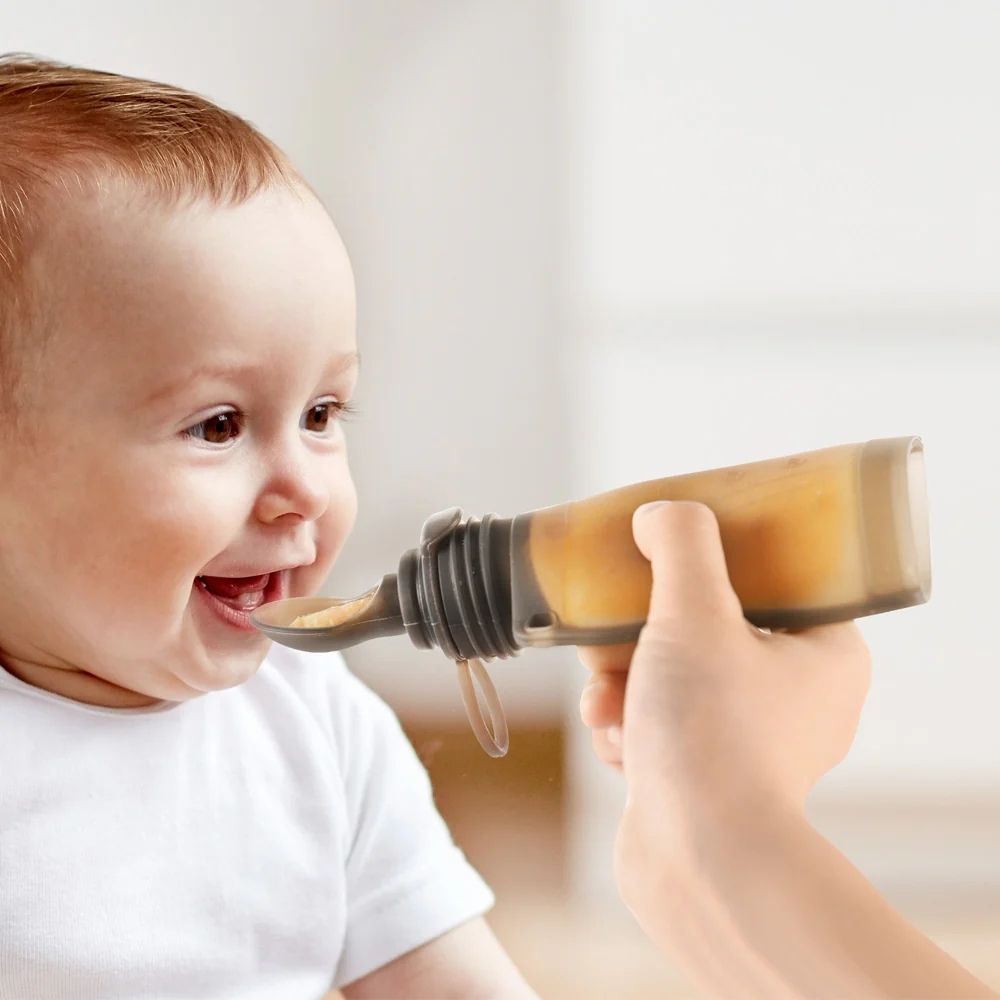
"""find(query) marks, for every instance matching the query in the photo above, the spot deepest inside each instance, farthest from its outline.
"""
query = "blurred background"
(597, 242)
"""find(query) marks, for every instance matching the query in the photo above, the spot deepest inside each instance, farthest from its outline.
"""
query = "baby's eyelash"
(233, 418)
(327, 414)
(344, 410)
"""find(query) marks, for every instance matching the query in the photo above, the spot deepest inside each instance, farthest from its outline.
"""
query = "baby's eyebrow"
(341, 364)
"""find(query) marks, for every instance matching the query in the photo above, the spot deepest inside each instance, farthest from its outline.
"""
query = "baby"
(185, 810)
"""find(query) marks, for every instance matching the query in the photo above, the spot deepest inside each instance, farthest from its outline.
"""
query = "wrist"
(674, 834)
(677, 863)
(745, 812)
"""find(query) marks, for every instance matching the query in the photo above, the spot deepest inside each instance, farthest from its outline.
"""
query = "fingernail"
(647, 508)
(614, 734)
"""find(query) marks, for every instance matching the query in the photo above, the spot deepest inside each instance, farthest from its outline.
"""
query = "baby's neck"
(77, 685)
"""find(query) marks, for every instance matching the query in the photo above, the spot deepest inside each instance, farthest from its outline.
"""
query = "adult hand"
(707, 707)
(723, 729)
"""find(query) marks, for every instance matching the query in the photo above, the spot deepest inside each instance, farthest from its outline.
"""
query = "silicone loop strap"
(495, 743)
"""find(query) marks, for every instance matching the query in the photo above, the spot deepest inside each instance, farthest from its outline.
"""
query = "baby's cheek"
(332, 530)
(152, 583)
(342, 513)
(161, 549)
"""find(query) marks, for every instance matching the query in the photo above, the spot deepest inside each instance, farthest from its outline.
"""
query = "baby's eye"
(319, 416)
(220, 428)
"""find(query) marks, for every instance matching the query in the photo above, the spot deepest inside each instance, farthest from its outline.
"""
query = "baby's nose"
(295, 490)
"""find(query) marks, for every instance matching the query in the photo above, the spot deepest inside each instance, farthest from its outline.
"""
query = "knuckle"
(606, 752)
(667, 639)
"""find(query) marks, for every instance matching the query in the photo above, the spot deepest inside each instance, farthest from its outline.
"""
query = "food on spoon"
(337, 614)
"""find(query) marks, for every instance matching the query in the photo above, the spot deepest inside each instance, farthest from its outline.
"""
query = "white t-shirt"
(270, 841)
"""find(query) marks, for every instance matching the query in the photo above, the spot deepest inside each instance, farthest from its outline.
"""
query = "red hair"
(62, 128)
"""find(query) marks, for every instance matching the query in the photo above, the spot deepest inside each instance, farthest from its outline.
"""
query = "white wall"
(785, 234)
(778, 153)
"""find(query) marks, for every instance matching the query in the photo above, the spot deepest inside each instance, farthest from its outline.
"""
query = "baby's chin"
(216, 671)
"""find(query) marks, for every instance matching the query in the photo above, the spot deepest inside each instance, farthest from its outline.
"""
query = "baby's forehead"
(105, 214)
(103, 208)
(95, 228)
(90, 244)
(119, 239)
(136, 283)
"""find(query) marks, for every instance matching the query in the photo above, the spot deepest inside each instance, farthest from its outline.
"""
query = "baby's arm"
(465, 963)
(414, 905)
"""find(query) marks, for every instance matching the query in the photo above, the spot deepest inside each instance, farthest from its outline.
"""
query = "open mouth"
(234, 598)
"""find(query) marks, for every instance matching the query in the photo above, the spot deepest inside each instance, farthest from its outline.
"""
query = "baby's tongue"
(233, 586)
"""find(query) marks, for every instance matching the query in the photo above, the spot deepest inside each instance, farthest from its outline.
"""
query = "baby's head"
(176, 346)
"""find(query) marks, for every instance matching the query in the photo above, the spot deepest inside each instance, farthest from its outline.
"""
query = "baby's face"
(183, 425)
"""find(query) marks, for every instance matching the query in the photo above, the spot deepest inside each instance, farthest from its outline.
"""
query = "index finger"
(610, 659)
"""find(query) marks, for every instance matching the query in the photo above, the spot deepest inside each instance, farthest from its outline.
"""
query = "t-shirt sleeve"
(406, 881)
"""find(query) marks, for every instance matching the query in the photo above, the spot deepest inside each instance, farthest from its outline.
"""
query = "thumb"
(691, 584)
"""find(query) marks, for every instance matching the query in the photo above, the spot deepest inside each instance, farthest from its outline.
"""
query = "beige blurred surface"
(585, 954)
(510, 818)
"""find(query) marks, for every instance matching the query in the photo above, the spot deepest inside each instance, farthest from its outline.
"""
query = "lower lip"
(274, 591)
